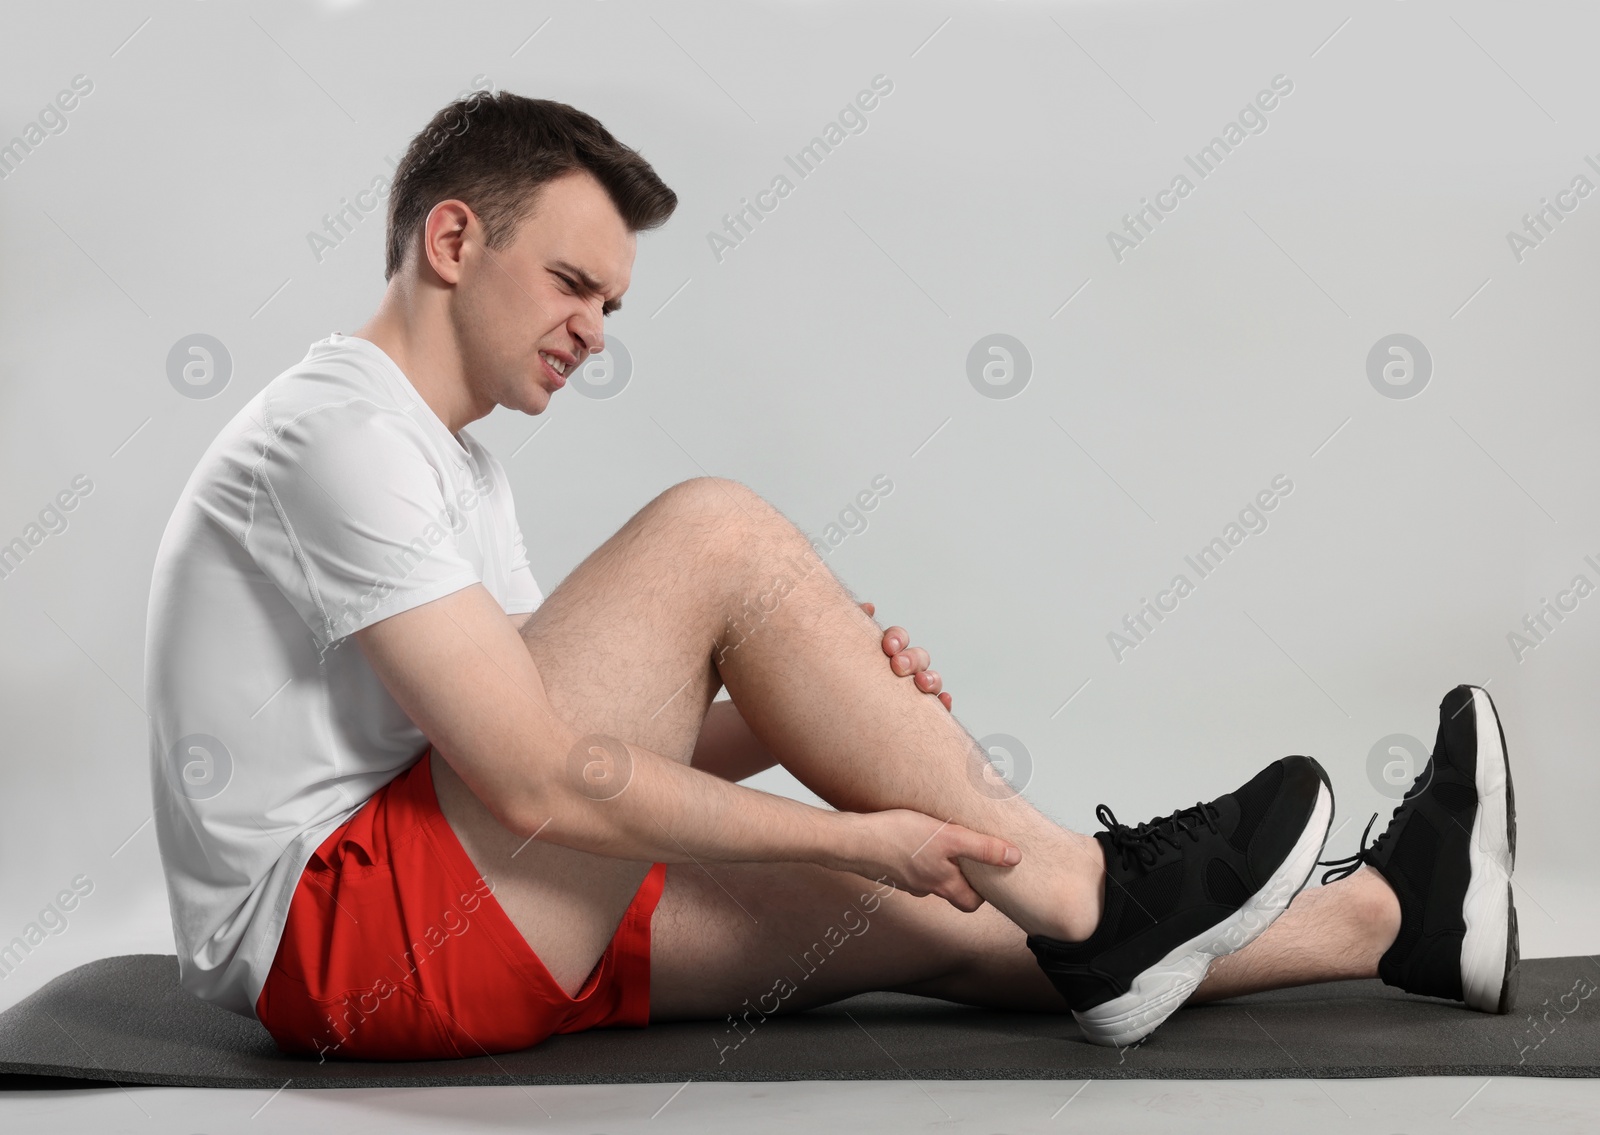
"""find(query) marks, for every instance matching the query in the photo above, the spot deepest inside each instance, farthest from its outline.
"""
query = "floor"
(1371, 1107)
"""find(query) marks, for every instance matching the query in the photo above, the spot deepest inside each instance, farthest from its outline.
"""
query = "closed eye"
(572, 284)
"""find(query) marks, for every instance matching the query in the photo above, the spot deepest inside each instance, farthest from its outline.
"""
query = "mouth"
(556, 368)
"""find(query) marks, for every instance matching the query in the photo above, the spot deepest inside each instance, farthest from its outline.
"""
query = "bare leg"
(803, 664)
(782, 937)
(772, 938)
(1328, 934)
(788, 936)
(708, 584)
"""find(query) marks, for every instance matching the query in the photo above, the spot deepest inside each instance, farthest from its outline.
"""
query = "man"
(408, 807)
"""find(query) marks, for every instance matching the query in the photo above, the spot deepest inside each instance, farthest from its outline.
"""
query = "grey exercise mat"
(126, 1020)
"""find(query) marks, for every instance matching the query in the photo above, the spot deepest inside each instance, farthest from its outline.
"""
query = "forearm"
(637, 804)
(726, 747)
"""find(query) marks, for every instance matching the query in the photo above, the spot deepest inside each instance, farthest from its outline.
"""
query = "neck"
(415, 331)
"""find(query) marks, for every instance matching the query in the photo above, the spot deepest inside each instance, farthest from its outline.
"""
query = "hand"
(906, 659)
(918, 854)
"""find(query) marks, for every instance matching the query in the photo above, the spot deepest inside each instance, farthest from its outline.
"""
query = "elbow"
(529, 814)
(596, 769)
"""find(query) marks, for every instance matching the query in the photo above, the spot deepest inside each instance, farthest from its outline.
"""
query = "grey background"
(1228, 348)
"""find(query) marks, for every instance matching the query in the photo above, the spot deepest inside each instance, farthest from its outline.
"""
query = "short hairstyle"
(496, 152)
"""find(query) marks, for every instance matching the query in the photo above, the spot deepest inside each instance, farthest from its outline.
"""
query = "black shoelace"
(1141, 845)
(1350, 864)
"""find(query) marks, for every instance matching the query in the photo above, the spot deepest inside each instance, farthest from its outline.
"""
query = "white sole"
(1487, 907)
(1158, 992)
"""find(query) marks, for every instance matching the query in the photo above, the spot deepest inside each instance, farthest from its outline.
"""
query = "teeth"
(555, 364)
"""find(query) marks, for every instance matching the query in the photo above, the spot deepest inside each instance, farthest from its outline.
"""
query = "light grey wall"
(1167, 386)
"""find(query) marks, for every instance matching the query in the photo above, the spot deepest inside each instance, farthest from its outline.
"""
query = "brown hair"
(496, 151)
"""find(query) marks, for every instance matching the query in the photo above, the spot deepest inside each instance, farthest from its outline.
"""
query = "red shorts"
(395, 949)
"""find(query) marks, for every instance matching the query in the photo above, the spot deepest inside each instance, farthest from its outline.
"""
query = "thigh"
(764, 938)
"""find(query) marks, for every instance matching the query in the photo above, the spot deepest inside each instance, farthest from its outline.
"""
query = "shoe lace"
(1141, 844)
(1350, 864)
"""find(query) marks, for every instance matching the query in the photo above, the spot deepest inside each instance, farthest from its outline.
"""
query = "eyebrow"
(590, 284)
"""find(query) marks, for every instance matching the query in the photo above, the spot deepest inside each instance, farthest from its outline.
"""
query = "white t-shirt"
(333, 499)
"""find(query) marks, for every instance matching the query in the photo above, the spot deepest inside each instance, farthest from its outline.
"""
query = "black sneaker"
(1184, 889)
(1448, 854)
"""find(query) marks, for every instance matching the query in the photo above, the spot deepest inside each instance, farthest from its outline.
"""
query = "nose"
(589, 332)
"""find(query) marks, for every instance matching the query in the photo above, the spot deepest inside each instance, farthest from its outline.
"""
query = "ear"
(444, 237)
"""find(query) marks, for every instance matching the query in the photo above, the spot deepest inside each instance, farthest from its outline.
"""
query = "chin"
(538, 399)
(526, 396)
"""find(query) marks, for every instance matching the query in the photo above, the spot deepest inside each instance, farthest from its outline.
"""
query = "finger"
(895, 640)
(947, 700)
(988, 849)
(911, 661)
(929, 682)
(868, 608)
(959, 894)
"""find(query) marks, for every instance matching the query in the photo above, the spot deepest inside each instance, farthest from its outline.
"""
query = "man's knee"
(728, 507)
(731, 522)
(702, 495)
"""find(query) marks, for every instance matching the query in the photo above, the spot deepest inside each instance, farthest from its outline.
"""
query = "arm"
(463, 675)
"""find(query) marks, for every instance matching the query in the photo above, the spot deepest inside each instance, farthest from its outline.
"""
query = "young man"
(409, 808)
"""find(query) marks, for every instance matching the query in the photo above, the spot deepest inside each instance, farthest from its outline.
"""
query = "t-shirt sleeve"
(349, 518)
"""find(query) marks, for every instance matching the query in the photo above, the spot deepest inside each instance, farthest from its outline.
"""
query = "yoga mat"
(125, 1020)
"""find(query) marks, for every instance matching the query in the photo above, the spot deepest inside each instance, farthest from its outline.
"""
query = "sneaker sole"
(1489, 948)
(1157, 992)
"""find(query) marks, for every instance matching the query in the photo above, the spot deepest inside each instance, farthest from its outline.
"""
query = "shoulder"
(331, 390)
(329, 427)
(336, 407)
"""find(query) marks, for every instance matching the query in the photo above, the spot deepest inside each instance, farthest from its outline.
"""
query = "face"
(547, 293)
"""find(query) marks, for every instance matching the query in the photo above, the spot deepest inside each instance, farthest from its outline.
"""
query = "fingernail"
(1012, 857)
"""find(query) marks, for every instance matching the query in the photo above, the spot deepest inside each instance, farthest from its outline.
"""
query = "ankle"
(1075, 913)
(1369, 904)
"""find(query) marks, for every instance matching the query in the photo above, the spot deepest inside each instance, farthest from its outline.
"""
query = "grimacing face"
(548, 292)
